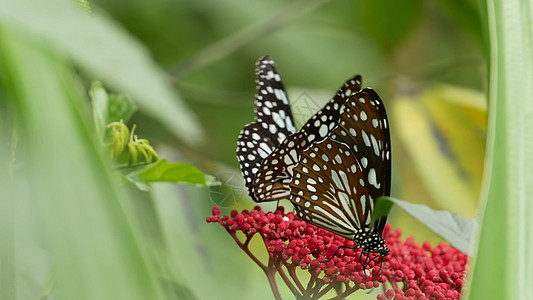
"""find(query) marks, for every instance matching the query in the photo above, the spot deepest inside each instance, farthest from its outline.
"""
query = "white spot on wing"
(281, 96)
(374, 144)
(363, 115)
(323, 130)
(336, 179)
(365, 138)
(364, 162)
(372, 178)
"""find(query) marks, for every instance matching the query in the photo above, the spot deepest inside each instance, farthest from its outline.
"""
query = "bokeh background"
(426, 59)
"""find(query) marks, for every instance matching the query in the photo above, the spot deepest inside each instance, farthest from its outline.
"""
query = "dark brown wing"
(364, 128)
(328, 189)
(272, 180)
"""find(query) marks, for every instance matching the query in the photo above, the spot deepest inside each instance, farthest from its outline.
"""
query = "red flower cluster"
(408, 272)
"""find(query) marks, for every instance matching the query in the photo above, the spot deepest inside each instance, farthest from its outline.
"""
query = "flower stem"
(287, 280)
(292, 273)
(244, 247)
(271, 275)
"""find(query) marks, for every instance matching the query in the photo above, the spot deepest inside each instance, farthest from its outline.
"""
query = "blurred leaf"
(389, 21)
(460, 119)
(455, 229)
(120, 108)
(70, 191)
(100, 103)
(502, 268)
(429, 151)
(108, 53)
(170, 172)
(205, 252)
(85, 5)
(109, 109)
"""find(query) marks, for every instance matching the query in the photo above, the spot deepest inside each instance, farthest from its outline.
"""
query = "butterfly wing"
(273, 122)
(337, 180)
(327, 189)
(318, 127)
(272, 181)
(253, 146)
(272, 108)
(364, 128)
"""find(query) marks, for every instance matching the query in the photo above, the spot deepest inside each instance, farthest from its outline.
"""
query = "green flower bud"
(119, 137)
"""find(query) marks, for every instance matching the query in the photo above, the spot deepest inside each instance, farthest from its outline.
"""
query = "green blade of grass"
(108, 53)
(77, 211)
(502, 269)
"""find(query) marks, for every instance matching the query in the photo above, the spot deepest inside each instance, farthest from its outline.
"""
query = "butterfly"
(267, 159)
(332, 170)
(336, 181)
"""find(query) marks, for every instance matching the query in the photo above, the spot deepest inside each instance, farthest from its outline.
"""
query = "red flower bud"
(293, 243)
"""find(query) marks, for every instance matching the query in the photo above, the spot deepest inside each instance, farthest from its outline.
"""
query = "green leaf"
(109, 108)
(120, 107)
(453, 228)
(502, 268)
(69, 202)
(169, 172)
(107, 52)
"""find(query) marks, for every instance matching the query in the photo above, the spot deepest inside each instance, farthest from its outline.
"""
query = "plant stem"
(324, 291)
(292, 273)
(271, 275)
(246, 250)
(286, 279)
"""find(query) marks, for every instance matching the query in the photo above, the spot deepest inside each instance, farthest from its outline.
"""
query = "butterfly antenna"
(345, 247)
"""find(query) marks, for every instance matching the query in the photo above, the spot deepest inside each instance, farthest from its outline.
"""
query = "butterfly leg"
(345, 247)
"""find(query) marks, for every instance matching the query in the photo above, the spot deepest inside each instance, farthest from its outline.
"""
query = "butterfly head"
(372, 242)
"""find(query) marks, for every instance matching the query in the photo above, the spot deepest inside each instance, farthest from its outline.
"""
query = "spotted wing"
(271, 182)
(273, 122)
(272, 108)
(364, 128)
(252, 148)
(318, 127)
(329, 190)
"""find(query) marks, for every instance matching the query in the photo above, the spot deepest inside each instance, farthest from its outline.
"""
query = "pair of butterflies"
(332, 169)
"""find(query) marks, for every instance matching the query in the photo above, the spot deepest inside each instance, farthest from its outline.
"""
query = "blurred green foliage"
(188, 65)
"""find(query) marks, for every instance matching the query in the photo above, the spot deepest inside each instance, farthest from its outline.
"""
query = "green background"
(67, 221)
